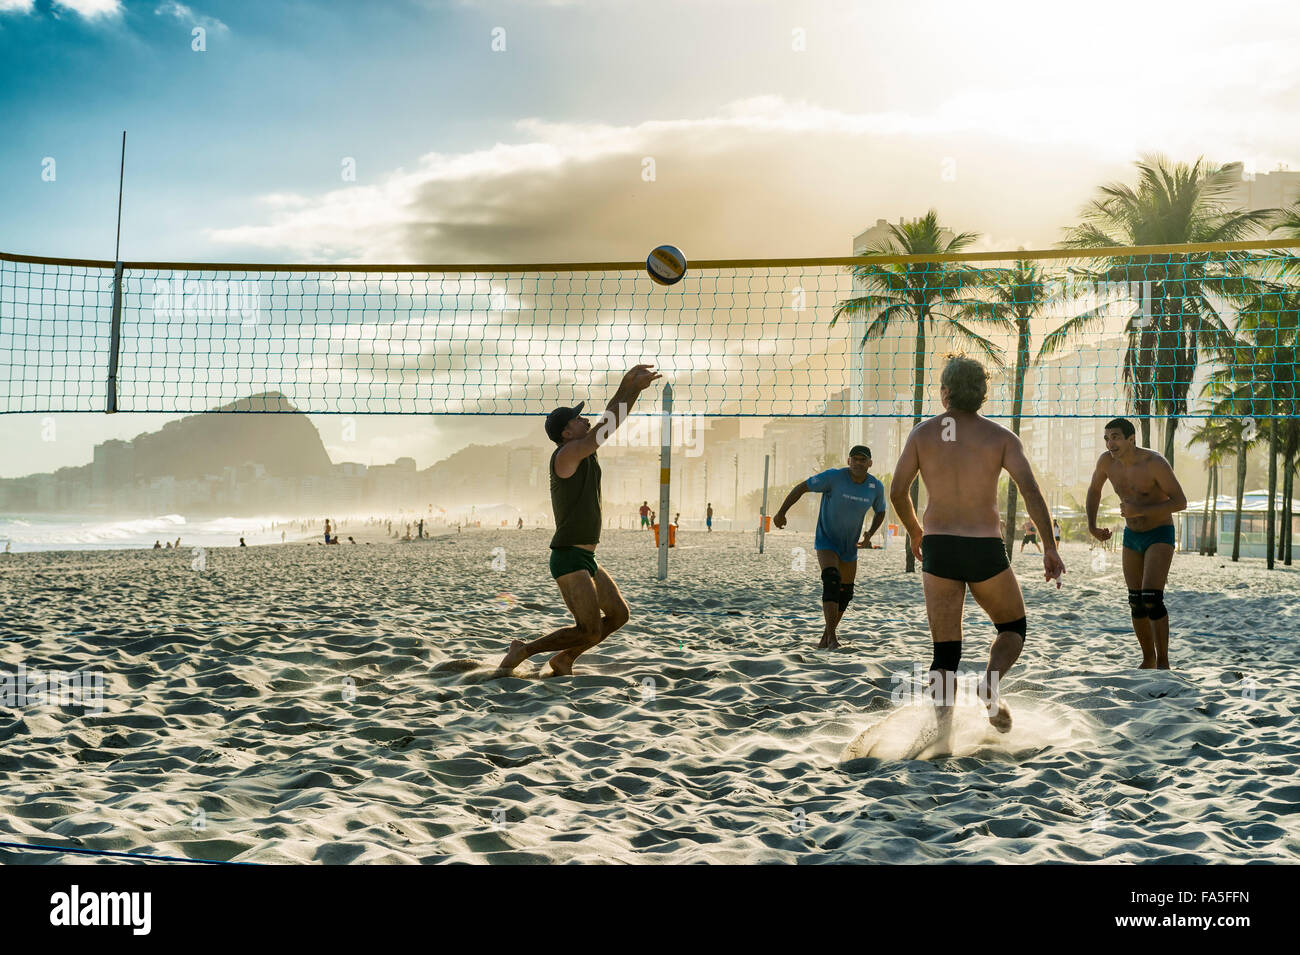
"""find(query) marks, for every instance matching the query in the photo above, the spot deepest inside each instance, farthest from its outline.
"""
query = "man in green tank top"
(589, 592)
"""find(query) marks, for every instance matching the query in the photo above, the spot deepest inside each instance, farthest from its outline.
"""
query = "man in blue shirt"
(847, 494)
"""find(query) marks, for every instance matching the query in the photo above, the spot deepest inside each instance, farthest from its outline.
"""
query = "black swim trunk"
(1029, 539)
(969, 559)
(566, 560)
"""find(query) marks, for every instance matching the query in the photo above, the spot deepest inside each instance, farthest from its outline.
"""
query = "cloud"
(16, 6)
(92, 9)
(179, 11)
(763, 176)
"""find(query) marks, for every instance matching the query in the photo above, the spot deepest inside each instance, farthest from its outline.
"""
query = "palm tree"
(1270, 318)
(1013, 298)
(1288, 225)
(927, 293)
(1174, 204)
(1237, 397)
(1218, 441)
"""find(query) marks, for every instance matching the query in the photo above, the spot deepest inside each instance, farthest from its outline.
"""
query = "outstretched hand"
(638, 378)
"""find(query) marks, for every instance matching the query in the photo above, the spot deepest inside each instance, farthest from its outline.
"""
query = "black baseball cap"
(559, 419)
(860, 449)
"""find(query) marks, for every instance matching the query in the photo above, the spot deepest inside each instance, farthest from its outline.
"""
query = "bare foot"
(516, 655)
(832, 642)
(1000, 716)
(562, 663)
(1147, 665)
(821, 644)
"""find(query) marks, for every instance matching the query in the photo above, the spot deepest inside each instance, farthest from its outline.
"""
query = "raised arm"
(1017, 465)
(798, 491)
(636, 380)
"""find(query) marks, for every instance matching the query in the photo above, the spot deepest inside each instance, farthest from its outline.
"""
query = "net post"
(665, 476)
(762, 514)
(114, 340)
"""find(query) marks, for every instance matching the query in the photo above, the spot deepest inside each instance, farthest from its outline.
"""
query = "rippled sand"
(313, 704)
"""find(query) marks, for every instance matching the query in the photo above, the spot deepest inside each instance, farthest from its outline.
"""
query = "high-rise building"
(1278, 189)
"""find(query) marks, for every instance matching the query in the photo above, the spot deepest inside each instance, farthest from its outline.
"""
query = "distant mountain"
(285, 443)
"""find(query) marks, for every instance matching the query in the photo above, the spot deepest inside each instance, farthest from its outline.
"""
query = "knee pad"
(830, 585)
(1154, 601)
(1135, 603)
(846, 594)
(1015, 626)
(946, 655)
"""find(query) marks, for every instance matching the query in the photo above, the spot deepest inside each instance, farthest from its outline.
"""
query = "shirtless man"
(960, 455)
(1031, 537)
(1149, 494)
(589, 592)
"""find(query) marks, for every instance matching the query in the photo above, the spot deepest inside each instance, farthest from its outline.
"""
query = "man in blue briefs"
(1148, 494)
(847, 494)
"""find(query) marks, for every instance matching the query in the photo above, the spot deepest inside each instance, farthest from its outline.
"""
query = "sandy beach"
(312, 704)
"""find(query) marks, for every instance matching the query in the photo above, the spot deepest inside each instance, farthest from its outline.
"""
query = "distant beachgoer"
(1056, 531)
(708, 519)
(281, 537)
(169, 546)
(350, 540)
(847, 494)
(327, 530)
(1149, 494)
(588, 590)
(6, 547)
(959, 456)
(241, 542)
(157, 545)
(178, 543)
(422, 528)
(644, 511)
(1031, 537)
(521, 523)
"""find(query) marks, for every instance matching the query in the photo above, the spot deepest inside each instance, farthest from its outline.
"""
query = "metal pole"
(665, 477)
(115, 331)
(121, 175)
(762, 515)
(735, 501)
(114, 339)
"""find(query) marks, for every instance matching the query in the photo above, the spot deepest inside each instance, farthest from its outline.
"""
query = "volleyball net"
(1194, 331)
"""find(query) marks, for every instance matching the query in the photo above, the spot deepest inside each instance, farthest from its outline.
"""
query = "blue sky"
(777, 128)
